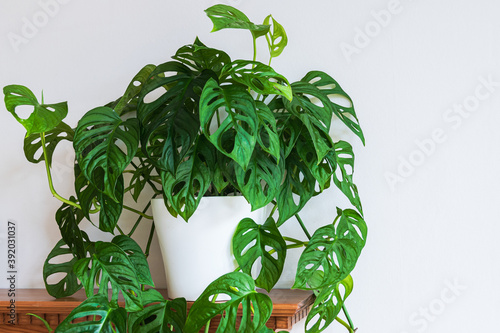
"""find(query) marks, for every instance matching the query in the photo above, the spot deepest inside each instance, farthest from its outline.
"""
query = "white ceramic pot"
(198, 252)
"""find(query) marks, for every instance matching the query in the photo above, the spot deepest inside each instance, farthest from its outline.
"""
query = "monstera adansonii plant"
(200, 125)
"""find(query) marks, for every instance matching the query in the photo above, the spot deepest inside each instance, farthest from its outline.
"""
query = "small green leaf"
(256, 307)
(262, 239)
(136, 256)
(128, 102)
(200, 57)
(44, 117)
(277, 39)
(225, 17)
(68, 218)
(33, 144)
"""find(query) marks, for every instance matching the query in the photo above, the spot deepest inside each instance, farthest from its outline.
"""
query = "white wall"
(427, 175)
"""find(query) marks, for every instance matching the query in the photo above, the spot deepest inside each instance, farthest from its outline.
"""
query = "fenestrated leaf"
(277, 39)
(33, 144)
(241, 117)
(111, 266)
(68, 218)
(159, 315)
(256, 307)
(107, 317)
(259, 77)
(327, 305)
(192, 179)
(224, 17)
(333, 251)
(342, 160)
(104, 146)
(67, 285)
(128, 102)
(298, 185)
(262, 239)
(200, 57)
(334, 93)
(43, 118)
(268, 137)
(261, 181)
(137, 257)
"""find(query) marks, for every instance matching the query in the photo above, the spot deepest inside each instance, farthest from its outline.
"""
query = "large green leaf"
(110, 266)
(224, 17)
(334, 93)
(268, 137)
(68, 284)
(252, 241)
(159, 315)
(342, 159)
(259, 77)
(200, 57)
(327, 305)
(107, 317)
(276, 38)
(241, 117)
(43, 118)
(128, 102)
(332, 252)
(104, 146)
(137, 257)
(33, 144)
(240, 288)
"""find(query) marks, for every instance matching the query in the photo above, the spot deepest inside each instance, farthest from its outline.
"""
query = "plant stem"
(49, 176)
(254, 50)
(344, 324)
(347, 316)
(139, 219)
(290, 239)
(120, 230)
(150, 239)
(138, 212)
(303, 226)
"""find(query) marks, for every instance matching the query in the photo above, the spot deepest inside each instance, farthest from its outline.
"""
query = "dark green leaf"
(68, 218)
(137, 257)
(108, 317)
(252, 241)
(224, 17)
(268, 137)
(33, 143)
(128, 102)
(256, 307)
(199, 57)
(69, 284)
(43, 118)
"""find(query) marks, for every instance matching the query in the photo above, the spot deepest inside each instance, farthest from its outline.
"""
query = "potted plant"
(202, 125)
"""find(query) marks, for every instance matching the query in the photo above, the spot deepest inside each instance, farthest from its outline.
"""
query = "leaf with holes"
(128, 102)
(241, 117)
(107, 317)
(335, 94)
(111, 267)
(342, 158)
(332, 251)
(200, 57)
(193, 178)
(227, 17)
(68, 218)
(277, 39)
(158, 315)
(268, 137)
(327, 305)
(67, 285)
(104, 146)
(240, 288)
(260, 78)
(33, 144)
(43, 118)
(136, 256)
(251, 242)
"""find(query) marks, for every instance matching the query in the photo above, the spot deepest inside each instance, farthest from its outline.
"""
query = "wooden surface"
(289, 307)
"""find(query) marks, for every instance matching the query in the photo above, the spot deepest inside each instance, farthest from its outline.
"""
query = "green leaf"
(252, 241)
(268, 137)
(256, 307)
(111, 266)
(334, 94)
(241, 120)
(33, 144)
(327, 305)
(192, 179)
(43, 118)
(67, 285)
(225, 17)
(159, 315)
(108, 317)
(259, 77)
(200, 57)
(332, 251)
(137, 257)
(104, 146)
(68, 218)
(342, 157)
(277, 39)
(129, 100)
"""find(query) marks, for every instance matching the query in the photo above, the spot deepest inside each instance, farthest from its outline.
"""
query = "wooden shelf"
(289, 307)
